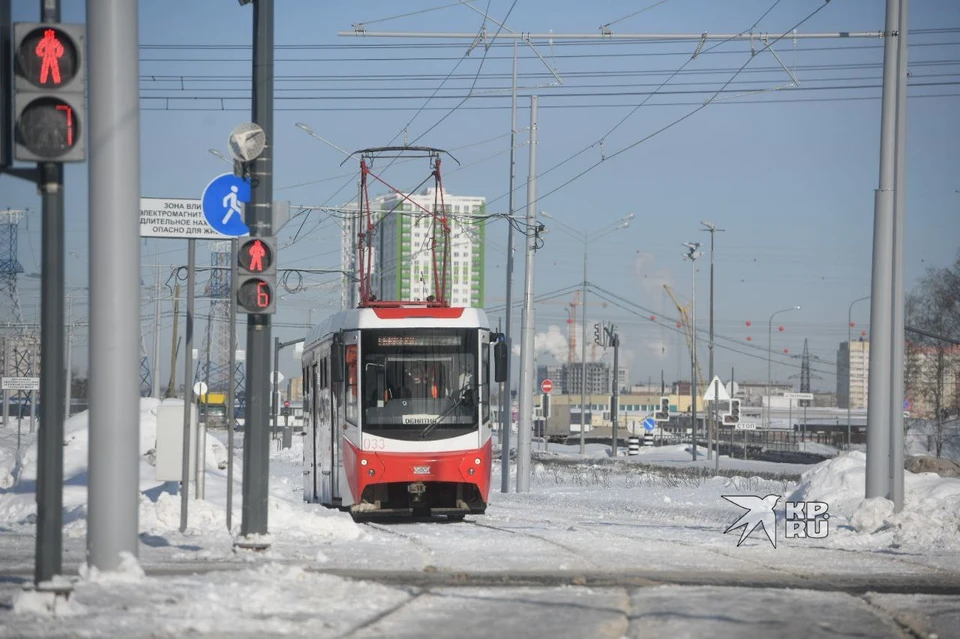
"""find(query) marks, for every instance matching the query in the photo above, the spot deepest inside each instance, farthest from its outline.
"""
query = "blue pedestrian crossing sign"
(221, 204)
(649, 423)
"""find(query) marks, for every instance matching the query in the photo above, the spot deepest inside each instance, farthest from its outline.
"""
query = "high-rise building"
(566, 378)
(853, 374)
(402, 264)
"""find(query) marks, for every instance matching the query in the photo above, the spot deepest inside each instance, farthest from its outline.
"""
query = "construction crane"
(688, 329)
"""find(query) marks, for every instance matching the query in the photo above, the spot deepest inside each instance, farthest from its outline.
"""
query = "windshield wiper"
(465, 390)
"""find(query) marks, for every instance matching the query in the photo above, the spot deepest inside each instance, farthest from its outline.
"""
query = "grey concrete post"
(525, 423)
(114, 147)
(897, 331)
(506, 406)
(881, 303)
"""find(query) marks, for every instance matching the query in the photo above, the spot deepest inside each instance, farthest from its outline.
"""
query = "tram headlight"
(477, 461)
(363, 462)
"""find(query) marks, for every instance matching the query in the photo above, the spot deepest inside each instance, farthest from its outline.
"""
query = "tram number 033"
(374, 444)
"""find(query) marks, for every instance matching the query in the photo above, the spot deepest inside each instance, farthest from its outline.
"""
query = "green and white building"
(402, 262)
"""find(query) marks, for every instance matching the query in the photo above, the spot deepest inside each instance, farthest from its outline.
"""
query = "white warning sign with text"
(160, 217)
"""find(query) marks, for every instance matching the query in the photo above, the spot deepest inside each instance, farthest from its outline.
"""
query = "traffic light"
(257, 275)
(663, 415)
(733, 417)
(48, 86)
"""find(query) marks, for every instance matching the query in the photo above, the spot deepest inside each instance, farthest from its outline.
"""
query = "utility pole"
(174, 343)
(897, 328)
(525, 423)
(112, 43)
(711, 228)
(615, 400)
(692, 254)
(506, 405)
(156, 334)
(256, 435)
(879, 418)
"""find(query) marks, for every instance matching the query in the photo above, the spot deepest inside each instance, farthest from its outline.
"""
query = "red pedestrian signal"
(256, 275)
(49, 92)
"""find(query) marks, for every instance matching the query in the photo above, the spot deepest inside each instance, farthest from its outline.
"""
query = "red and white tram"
(397, 393)
(399, 411)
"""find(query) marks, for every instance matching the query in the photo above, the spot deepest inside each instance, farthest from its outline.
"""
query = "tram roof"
(400, 317)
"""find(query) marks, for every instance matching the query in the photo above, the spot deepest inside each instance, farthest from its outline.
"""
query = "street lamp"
(693, 253)
(770, 353)
(849, 326)
(586, 238)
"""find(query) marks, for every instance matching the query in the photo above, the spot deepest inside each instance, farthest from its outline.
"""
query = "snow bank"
(931, 513)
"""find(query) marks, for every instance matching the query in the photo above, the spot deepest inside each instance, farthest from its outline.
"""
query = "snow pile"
(931, 513)
(160, 502)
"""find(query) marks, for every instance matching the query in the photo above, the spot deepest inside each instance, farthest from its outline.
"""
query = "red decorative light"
(749, 339)
(679, 325)
(749, 323)
(786, 350)
(852, 324)
(653, 318)
(780, 328)
(863, 333)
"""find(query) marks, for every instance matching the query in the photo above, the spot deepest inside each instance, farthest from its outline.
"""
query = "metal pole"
(615, 405)
(881, 302)
(275, 381)
(528, 327)
(897, 331)
(232, 383)
(506, 406)
(114, 170)
(583, 353)
(50, 439)
(68, 386)
(156, 333)
(693, 353)
(256, 458)
(187, 386)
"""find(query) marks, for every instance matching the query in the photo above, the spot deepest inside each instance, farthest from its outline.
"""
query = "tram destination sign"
(176, 218)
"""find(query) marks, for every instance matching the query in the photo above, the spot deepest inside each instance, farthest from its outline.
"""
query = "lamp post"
(770, 353)
(693, 253)
(849, 326)
(711, 228)
(586, 238)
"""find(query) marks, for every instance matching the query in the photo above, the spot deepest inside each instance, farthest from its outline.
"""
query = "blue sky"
(789, 175)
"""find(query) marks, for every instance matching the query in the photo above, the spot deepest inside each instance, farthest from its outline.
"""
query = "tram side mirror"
(336, 360)
(500, 360)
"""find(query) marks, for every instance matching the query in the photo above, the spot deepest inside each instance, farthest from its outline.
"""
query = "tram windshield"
(419, 382)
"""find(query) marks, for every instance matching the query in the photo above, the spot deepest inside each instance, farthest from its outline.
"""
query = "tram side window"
(485, 381)
(351, 379)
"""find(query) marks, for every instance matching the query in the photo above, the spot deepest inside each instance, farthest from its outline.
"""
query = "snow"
(633, 519)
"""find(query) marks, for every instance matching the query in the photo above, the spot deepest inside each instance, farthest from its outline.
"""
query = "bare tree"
(933, 358)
